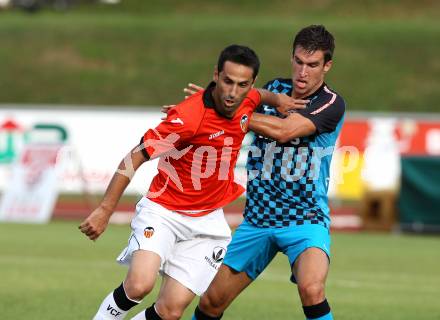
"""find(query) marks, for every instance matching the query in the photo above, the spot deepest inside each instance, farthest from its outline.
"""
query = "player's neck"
(311, 92)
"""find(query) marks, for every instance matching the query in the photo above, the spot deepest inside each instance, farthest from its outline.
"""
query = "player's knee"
(311, 292)
(213, 303)
(169, 311)
(137, 290)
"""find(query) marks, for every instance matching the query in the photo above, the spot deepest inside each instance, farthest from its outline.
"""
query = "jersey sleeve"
(325, 112)
(172, 133)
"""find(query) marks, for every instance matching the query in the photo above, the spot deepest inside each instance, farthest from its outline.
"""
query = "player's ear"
(328, 65)
(253, 81)
(215, 76)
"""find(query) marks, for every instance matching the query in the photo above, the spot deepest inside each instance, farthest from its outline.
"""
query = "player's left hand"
(287, 104)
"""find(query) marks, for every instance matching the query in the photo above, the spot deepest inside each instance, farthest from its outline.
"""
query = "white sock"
(142, 315)
(109, 310)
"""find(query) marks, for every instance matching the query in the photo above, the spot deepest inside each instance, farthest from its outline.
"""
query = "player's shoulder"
(191, 105)
(278, 84)
(194, 101)
(329, 97)
(253, 98)
(190, 110)
(332, 92)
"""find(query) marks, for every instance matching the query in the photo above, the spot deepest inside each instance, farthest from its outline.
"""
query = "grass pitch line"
(391, 284)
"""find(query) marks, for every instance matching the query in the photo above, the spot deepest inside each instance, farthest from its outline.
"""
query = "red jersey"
(198, 150)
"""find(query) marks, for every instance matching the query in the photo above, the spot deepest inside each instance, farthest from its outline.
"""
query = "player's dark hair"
(241, 55)
(315, 37)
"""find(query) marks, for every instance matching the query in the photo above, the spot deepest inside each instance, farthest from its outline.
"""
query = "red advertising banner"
(376, 144)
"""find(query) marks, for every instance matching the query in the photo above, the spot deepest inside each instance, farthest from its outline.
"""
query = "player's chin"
(230, 104)
(302, 89)
(229, 108)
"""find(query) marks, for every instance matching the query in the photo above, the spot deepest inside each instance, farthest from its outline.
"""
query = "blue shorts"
(253, 248)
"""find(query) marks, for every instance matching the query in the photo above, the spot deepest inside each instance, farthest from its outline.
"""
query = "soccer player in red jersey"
(179, 229)
(286, 202)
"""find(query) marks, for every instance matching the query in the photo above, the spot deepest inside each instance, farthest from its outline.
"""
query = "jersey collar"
(309, 97)
(208, 100)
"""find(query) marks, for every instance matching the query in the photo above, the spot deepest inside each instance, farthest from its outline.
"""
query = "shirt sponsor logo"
(217, 134)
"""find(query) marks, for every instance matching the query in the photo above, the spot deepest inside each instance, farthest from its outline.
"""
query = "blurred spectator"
(4, 3)
(35, 5)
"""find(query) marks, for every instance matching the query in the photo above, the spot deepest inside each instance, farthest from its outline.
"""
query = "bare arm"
(282, 130)
(282, 102)
(95, 224)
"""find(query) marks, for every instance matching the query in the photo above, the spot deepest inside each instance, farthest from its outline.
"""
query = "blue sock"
(328, 316)
(320, 311)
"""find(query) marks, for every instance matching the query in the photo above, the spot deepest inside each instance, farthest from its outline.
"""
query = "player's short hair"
(315, 37)
(241, 55)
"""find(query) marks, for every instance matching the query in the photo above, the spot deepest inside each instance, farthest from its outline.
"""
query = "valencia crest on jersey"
(244, 122)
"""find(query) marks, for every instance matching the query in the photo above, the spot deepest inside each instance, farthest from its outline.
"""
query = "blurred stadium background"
(80, 82)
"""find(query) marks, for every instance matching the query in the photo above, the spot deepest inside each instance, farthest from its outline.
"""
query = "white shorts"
(191, 248)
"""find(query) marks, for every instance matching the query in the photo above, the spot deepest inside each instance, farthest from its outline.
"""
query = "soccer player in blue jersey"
(288, 170)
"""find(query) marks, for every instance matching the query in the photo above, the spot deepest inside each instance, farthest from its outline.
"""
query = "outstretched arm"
(95, 224)
(323, 115)
(282, 130)
(282, 102)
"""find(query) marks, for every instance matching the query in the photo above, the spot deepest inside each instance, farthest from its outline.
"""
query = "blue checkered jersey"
(288, 183)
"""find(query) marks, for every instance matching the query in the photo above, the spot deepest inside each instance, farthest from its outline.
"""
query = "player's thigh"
(151, 242)
(311, 266)
(225, 287)
(194, 262)
(250, 250)
(151, 231)
(297, 241)
(142, 273)
(173, 298)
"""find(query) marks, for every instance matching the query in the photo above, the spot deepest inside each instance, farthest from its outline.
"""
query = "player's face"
(232, 85)
(308, 71)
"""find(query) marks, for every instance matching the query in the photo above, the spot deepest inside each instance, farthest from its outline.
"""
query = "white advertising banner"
(32, 190)
(98, 140)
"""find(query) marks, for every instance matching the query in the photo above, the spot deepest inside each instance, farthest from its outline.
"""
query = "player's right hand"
(95, 224)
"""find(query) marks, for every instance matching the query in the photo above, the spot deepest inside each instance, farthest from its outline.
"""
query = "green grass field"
(144, 52)
(53, 272)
